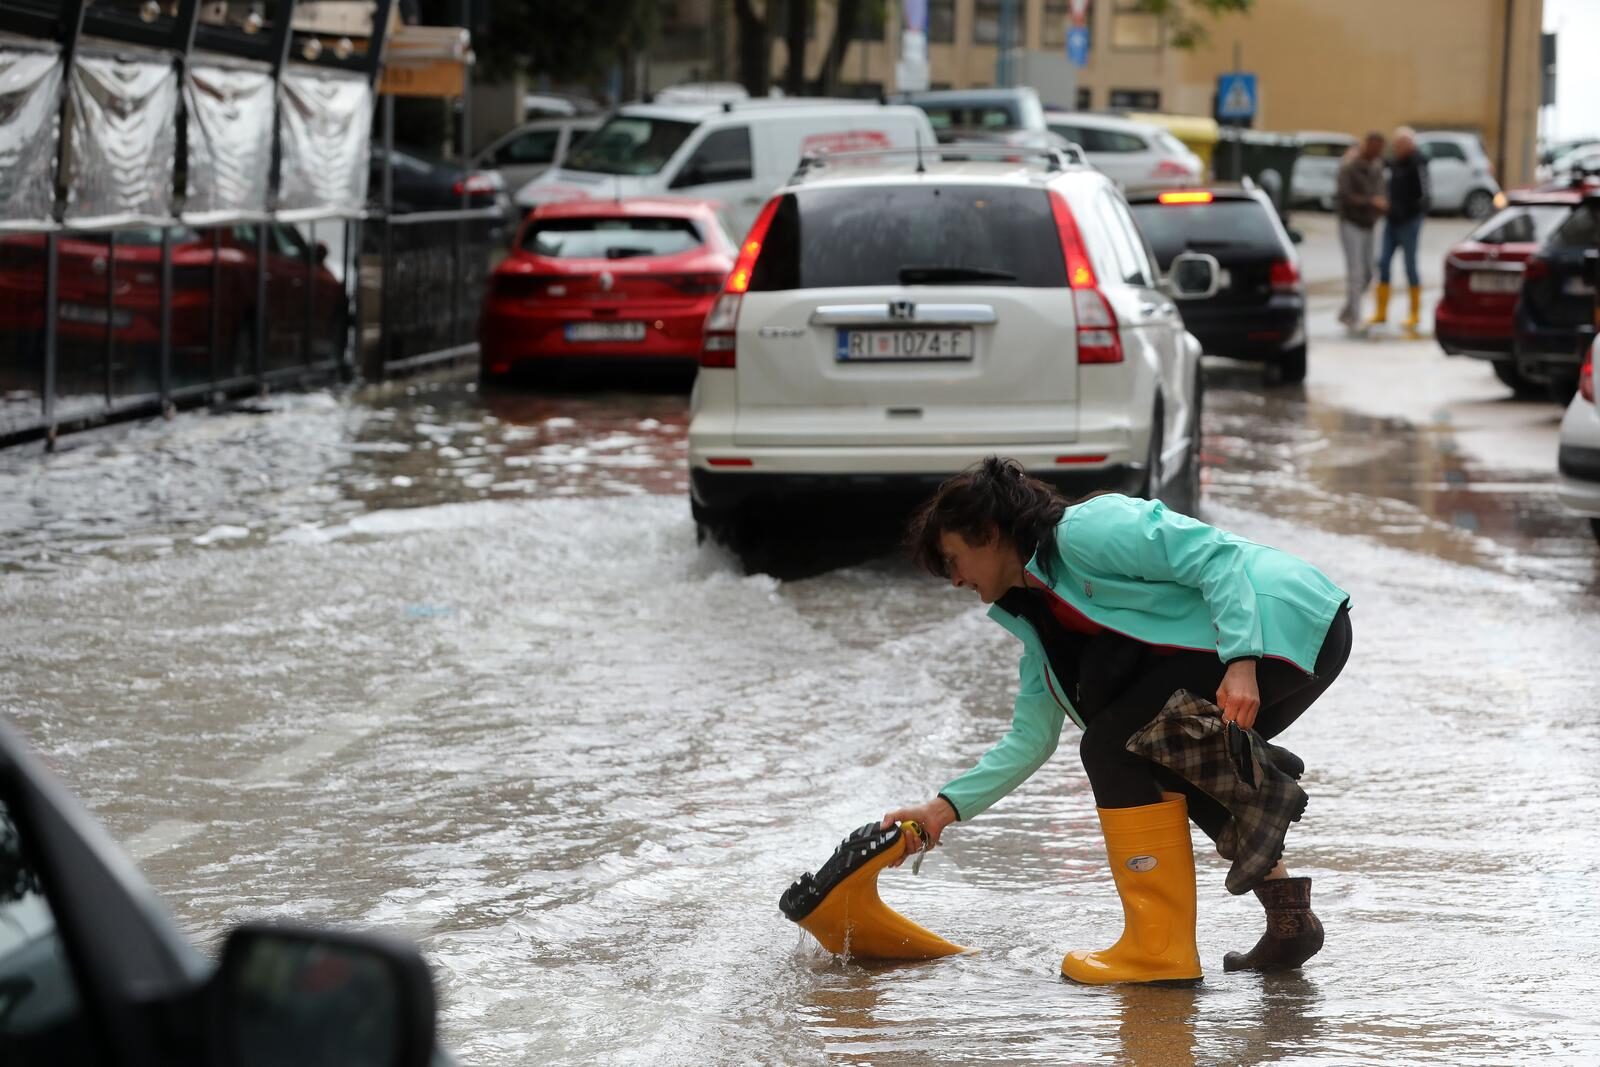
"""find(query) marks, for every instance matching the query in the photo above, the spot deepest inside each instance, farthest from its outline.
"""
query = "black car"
(94, 972)
(1259, 310)
(1555, 316)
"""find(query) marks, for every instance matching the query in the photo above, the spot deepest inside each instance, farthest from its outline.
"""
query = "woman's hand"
(933, 817)
(1238, 696)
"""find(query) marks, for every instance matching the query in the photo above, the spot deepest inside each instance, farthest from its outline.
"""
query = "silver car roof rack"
(1053, 158)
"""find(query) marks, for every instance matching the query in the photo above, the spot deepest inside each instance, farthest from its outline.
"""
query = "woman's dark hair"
(995, 496)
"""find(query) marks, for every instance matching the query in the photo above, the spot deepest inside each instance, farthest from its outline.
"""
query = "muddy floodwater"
(454, 666)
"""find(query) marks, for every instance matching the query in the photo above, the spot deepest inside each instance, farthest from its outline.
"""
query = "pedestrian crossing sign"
(1236, 96)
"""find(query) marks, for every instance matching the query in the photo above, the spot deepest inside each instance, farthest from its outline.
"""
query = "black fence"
(190, 214)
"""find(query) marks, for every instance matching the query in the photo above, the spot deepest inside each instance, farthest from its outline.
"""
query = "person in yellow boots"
(1359, 204)
(1408, 200)
(1118, 603)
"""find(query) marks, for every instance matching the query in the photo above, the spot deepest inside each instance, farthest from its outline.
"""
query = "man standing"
(1408, 203)
(1360, 203)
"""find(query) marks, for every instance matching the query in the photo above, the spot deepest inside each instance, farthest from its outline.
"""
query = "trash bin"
(1266, 158)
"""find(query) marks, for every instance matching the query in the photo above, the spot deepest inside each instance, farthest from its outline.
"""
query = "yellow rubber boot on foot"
(1380, 314)
(1152, 862)
(1415, 318)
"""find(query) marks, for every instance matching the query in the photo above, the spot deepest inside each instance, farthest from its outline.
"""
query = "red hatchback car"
(1483, 277)
(595, 281)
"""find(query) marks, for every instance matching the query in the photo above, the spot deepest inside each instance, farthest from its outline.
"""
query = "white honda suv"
(894, 317)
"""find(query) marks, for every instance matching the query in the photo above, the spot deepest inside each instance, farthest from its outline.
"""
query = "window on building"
(1085, 99)
(986, 22)
(1134, 29)
(1135, 99)
(941, 21)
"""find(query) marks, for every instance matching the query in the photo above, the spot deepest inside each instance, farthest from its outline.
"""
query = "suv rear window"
(911, 234)
(610, 238)
(1222, 227)
(1521, 224)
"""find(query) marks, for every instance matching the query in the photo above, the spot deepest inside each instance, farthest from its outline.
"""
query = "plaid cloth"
(1190, 739)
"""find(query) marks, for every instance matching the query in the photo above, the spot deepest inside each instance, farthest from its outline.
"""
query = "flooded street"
(454, 666)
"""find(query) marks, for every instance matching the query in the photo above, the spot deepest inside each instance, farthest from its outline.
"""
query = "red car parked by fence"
(597, 281)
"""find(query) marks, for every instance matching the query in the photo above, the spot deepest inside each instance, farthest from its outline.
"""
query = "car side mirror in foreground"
(320, 998)
(1193, 276)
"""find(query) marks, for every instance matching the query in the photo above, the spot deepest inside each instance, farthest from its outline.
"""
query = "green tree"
(1185, 30)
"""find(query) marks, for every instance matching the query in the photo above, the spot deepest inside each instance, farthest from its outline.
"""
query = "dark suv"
(1555, 316)
(1259, 311)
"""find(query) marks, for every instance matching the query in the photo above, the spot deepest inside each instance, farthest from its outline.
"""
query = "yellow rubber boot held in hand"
(1414, 319)
(1152, 863)
(840, 907)
(1380, 314)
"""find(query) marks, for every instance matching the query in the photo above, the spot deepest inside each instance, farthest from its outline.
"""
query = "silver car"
(533, 148)
(1459, 172)
(1135, 155)
(1316, 169)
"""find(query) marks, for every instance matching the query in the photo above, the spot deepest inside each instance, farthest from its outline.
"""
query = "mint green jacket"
(1161, 578)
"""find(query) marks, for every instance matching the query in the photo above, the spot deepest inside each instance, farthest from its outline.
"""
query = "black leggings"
(1124, 780)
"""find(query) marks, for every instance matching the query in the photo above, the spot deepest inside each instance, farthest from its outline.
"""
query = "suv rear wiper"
(916, 275)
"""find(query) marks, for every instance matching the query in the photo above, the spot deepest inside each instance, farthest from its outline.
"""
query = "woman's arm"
(1036, 721)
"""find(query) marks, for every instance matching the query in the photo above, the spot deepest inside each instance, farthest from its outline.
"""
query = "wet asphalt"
(453, 665)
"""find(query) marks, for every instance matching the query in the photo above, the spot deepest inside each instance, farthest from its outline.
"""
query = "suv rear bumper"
(724, 491)
(1261, 332)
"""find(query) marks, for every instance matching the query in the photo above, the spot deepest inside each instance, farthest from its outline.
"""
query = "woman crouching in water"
(1118, 603)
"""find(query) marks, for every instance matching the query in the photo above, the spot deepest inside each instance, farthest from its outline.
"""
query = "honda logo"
(902, 310)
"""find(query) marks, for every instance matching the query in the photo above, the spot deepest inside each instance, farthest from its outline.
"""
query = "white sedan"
(1579, 459)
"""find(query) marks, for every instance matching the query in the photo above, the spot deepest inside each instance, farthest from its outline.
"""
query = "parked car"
(954, 110)
(422, 184)
(1135, 155)
(533, 148)
(1315, 179)
(1555, 312)
(1460, 176)
(1573, 167)
(1258, 312)
(1578, 458)
(93, 970)
(134, 318)
(1483, 278)
(594, 281)
(887, 325)
(734, 153)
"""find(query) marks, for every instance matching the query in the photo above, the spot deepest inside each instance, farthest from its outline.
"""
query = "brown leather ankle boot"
(1294, 933)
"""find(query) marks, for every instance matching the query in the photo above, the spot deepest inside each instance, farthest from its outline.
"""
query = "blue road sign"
(1236, 96)
(1078, 45)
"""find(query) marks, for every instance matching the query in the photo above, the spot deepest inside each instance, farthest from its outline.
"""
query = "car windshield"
(629, 145)
(1521, 224)
(1222, 227)
(610, 238)
(972, 117)
(911, 235)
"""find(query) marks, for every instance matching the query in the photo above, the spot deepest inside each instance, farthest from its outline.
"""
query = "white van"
(736, 153)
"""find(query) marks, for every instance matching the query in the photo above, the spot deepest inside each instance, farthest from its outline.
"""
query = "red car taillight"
(1099, 338)
(475, 185)
(1586, 376)
(519, 286)
(718, 346)
(1284, 276)
(695, 284)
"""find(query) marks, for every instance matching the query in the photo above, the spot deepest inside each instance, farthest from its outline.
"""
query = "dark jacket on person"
(1409, 192)
(1360, 181)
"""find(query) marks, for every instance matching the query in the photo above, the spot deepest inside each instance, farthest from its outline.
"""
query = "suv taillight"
(1586, 376)
(1099, 340)
(1284, 276)
(718, 347)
